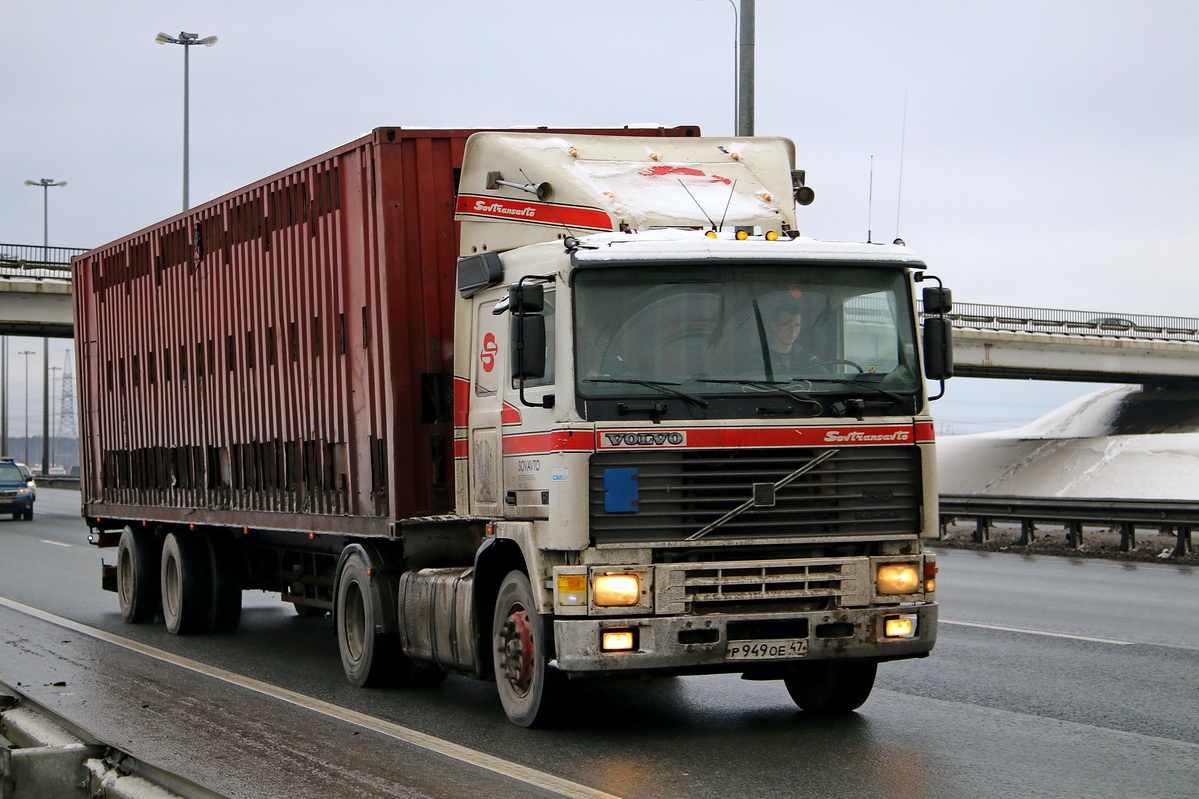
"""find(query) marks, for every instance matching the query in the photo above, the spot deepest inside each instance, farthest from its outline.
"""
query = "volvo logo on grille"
(669, 438)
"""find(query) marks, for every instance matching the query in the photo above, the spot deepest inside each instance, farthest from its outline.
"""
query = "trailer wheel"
(139, 582)
(226, 585)
(531, 692)
(368, 656)
(186, 584)
(831, 687)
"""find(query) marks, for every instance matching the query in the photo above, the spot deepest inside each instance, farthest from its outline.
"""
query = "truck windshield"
(797, 329)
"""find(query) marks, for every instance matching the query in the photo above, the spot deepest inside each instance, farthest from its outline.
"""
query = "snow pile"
(1122, 442)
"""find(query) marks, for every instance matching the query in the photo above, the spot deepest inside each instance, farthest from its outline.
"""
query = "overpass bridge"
(989, 340)
(35, 290)
(1086, 346)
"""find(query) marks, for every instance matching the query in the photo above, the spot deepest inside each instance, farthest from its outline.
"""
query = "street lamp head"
(185, 38)
(44, 183)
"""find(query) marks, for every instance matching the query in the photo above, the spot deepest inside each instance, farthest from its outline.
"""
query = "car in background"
(17, 489)
(1111, 323)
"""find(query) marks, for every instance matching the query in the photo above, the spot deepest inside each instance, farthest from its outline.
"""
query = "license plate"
(766, 650)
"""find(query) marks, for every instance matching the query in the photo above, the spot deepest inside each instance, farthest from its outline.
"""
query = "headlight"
(898, 578)
(22, 492)
(617, 590)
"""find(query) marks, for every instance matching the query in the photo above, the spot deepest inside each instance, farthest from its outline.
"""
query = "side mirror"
(937, 300)
(526, 297)
(528, 346)
(938, 348)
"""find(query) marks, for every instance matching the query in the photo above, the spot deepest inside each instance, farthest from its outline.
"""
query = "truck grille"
(858, 491)
(697, 588)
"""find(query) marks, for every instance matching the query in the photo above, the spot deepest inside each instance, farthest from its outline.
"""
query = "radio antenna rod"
(870, 205)
(903, 135)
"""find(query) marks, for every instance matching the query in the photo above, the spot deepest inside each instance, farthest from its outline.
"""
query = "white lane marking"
(1038, 632)
(431, 743)
(56, 543)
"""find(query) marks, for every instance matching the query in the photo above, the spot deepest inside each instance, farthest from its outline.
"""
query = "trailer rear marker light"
(772, 235)
(900, 626)
(619, 590)
(618, 641)
(742, 235)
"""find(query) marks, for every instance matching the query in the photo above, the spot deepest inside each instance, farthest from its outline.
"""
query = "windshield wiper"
(769, 385)
(661, 385)
(853, 381)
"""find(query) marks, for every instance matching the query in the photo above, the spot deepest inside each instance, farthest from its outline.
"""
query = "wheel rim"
(517, 651)
(172, 592)
(125, 578)
(355, 621)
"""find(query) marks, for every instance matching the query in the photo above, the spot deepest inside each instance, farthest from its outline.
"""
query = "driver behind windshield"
(784, 323)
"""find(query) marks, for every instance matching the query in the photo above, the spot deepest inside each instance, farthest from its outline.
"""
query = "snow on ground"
(1123, 442)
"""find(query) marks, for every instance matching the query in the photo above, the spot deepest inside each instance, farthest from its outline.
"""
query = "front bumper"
(700, 644)
(15, 504)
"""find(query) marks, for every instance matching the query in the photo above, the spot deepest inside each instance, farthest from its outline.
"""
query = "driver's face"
(784, 329)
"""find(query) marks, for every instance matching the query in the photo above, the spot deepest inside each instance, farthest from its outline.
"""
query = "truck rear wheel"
(139, 582)
(186, 584)
(831, 687)
(368, 656)
(531, 692)
(226, 585)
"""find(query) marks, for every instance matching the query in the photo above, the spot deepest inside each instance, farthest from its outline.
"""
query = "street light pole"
(45, 184)
(187, 40)
(27, 353)
(745, 71)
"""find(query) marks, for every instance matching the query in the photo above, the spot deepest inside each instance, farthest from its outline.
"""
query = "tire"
(139, 579)
(225, 564)
(831, 687)
(368, 657)
(27, 515)
(186, 584)
(532, 693)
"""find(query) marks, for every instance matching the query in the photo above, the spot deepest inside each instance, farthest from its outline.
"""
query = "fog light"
(898, 578)
(617, 590)
(618, 641)
(572, 589)
(900, 626)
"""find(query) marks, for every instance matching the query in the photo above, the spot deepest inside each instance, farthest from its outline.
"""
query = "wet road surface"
(1052, 677)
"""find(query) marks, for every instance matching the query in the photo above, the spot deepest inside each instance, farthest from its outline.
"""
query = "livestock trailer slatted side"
(281, 356)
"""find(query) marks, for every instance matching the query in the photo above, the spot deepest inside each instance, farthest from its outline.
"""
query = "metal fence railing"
(1181, 516)
(1085, 323)
(32, 260)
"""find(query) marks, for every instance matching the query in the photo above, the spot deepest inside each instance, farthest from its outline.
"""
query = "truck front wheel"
(830, 687)
(139, 584)
(532, 693)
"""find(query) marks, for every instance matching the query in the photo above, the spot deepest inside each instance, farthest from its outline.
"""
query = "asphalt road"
(1052, 677)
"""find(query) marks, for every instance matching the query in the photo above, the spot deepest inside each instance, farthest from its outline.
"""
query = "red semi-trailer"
(508, 410)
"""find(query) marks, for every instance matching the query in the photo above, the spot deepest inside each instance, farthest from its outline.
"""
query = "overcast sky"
(1049, 153)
